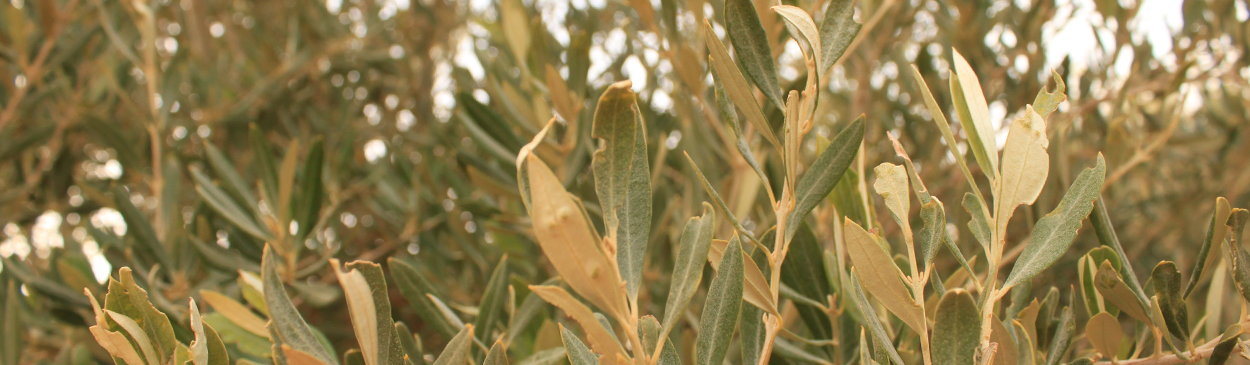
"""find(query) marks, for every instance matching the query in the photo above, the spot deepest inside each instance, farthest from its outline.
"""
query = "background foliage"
(147, 134)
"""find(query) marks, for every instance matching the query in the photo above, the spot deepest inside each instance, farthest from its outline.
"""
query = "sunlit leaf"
(1046, 102)
(1024, 168)
(1054, 233)
(933, 214)
(601, 339)
(974, 115)
(881, 277)
(236, 312)
(649, 333)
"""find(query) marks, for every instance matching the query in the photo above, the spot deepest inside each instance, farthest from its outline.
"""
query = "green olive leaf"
(956, 328)
(1054, 233)
(457, 350)
(285, 322)
(491, 307)
(824, 173)
(736, 85)
(577, 351)
(871, 319)
(750, 42)
(687, 275)
(1167, 285)
(933, 214)
(1216, 231)
(623, 179)
(720, 311)
(414, 286)
(837, 31)
(1065, 328)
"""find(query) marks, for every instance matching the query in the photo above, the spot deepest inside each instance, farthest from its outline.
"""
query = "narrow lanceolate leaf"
(718, 202)
(1228, 342)
(224, 206)
(140, 227)
(364, 286)
(824, 173)
(804, 271)
(939, 118)
(1104, 333)
(285, 321)
(750, 42)
(413, 354)
(570, 242)
(933, 215)
(1065, 329)
(235, 312)
(1007, 351)
(457, 350)
(979, 223)
(497, 355)
(872, 320)
(1216, 231)
(234, 183)
(577, 351)
(730, 116)
(265, 166)
(736, 85)
(956, 328)
(720, 311)
(881, 277)
(688, 269)
(1167, 285)
(1053, 234)
(128, 299)
(1025, 165)
(977, 125)
(491, 308)
(138, 336)
(837, 31)
(891, 184)
(551, 356)
(1026, 354)
(414, 287)
(1113, 289)
(798, 18)
(623, 179)
(1241, 268)
(601, 339)
(311, 192)
(1046, 102)
(649, 333)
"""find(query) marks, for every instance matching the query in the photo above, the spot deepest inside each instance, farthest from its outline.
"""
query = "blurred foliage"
(177, 137)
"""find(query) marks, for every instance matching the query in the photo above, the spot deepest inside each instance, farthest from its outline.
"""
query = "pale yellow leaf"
(1104, 333)
(113, 342)
(977, 106)
(564, 101)
(570, 242)
(141, 338)
(600, 340)
(892, 185)
(800, 20)
(880, 277)
(235, 312)
(363, 311)
(199, 346)
(297, 357)
(756, 290)
(516, 28)
(1025, 166)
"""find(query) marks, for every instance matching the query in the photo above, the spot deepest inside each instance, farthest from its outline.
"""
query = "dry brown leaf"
(297, 357)
(600, 340)
(1024, 167)
(880, 277)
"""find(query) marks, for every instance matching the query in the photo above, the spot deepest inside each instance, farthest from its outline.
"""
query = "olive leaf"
(736, 85)
(1054, 233)
(956, 328)
(567, 238)
(1215, 237)
(688, 268)
(137, 336)
(1241, 260)
(413, 354)
(720, 203)
(881, 276)
(1024, 168)
(1112, 288)
(623, 179)
(126, 299)
(112, 341)
(756, 290)
(235, 312)
(551, 356)
(1065, 328)
(1104, 333)
(1087, 267)
(364, 286)
(837, 30)
(1227, 342)
(1026, 352)
(751, 44)
(974, 115)
(308, 207)
(824, 173)
(577, 351)
(1167, 285)
(226, 207)
(727, 112)
(720, 311)
(414, 287)
(497, 354)
(805, 272)
(602, 340)
(1046, 102)
(265, 166)
(491, 306)
(944, 127)
(933, 214)
(798, 19)
(1007, 352)
(979, 223)
(891, 184)
(286, 325)
(649, 333)
(457, 350)
(871, 319)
